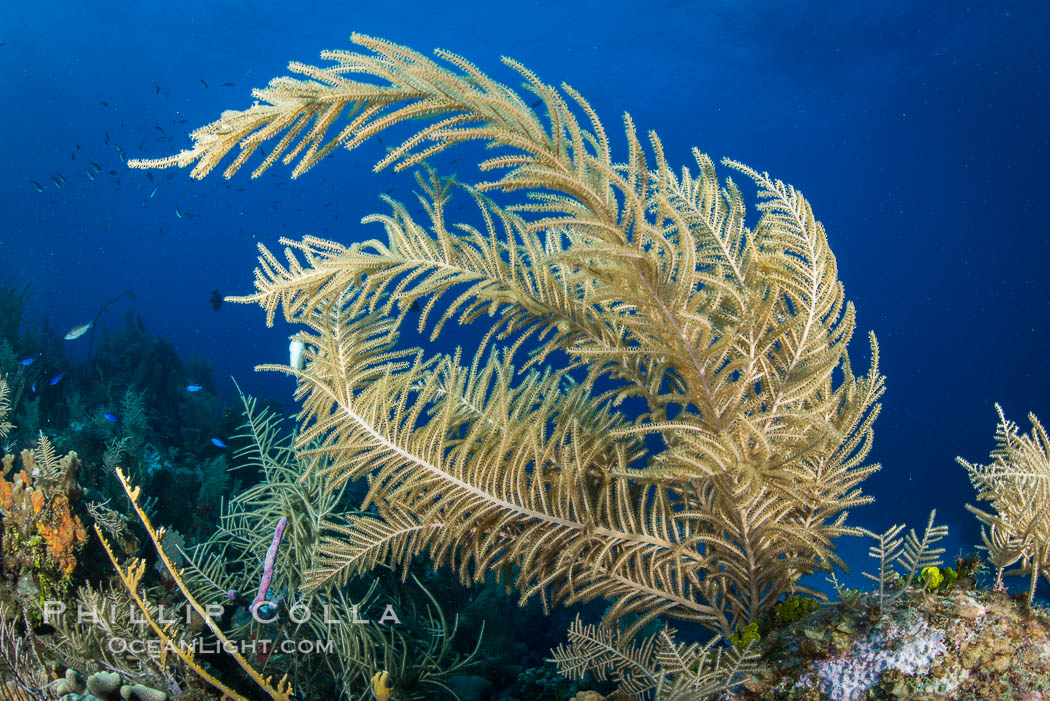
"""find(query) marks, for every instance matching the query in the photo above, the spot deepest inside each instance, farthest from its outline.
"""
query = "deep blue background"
(919, 136)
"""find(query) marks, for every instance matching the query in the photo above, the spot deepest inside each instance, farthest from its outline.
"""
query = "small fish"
(28, 361)
(107, 137)
(61, 177)
(89, 174)
(33, 387)
(54, 380)
(153, 193)
(3, 44)
(72, 156)
(157, 91)
(227, 85)
(104, 104)
(537, 103)
(218, 444)
(37, 186)
(157, 127)
(77, 332)
(112, 172)
(96, 166)
(203, 83)
(194, 388)
(57, 182)
(110, 417)
(216, 300)
(178, 213)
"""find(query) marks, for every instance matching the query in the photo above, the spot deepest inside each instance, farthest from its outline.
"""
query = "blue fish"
(33, 387)
(193, 388)
(218, 444)
(110, 417)
(28, 361)
(56, 378)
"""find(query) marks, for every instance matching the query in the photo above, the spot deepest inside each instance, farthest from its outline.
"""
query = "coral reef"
(660, 417)
(964, 644)
(40, 534)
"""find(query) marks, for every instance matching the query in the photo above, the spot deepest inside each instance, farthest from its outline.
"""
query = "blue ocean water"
(917, 132)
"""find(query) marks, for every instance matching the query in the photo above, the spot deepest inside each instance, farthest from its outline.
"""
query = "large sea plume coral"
(628, 284)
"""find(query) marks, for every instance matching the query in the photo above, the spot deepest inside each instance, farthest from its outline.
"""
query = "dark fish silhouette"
(104, 104)
(157, 91)
(227, 85)
(36, 186)
(203, 83)
(216, 300)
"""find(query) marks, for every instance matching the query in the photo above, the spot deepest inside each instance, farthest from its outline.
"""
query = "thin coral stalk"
(132, 577)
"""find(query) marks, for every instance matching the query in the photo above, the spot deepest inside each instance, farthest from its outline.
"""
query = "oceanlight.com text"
(260, 646)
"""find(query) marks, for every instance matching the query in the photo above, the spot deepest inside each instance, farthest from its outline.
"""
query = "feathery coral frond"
(1017, 483)
(626, 285)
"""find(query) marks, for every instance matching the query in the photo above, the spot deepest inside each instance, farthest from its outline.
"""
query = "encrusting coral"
(632, 284)
(40, 534)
